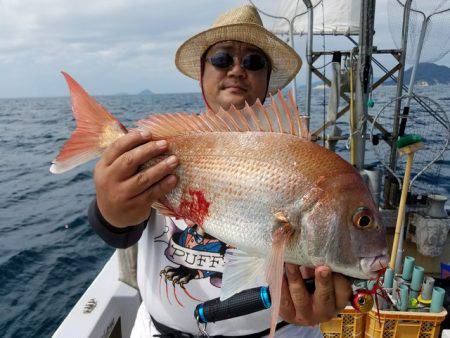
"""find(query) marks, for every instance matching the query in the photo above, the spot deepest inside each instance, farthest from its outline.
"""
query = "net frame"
(433, 15)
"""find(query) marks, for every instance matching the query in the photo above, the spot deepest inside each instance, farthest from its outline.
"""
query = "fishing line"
(324, 74)
(321, 67)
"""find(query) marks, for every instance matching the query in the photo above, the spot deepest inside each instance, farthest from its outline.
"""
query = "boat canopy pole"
(309, 61)
(417, 58)
(398, 103)
(400, 79)
(364, 69)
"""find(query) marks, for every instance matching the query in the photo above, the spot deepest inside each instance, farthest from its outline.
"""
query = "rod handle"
(240, 304)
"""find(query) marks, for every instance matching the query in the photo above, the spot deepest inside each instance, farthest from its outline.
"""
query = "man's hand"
(124, 195)
(332, 294)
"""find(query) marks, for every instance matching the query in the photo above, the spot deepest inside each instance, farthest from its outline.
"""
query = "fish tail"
(95, 130)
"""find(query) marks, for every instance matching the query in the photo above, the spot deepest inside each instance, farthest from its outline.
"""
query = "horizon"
(124, 46)
(314, 84)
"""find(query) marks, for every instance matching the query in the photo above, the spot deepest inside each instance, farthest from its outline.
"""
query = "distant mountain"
(146, 92)
(427, 74)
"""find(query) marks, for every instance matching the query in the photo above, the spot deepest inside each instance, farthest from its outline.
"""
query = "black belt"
(168, 332)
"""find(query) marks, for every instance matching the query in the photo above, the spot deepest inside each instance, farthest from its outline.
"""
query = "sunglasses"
(251, 61)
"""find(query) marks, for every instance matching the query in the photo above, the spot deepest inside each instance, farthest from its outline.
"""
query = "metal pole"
(419, 48)
(364, 69)
(393, 155)
(309, 48)
(291, 38)
(417, 59)
(421, 102)
(402, 127)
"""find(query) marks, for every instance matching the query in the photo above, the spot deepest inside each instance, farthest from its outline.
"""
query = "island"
(427, 74)
(145, 92)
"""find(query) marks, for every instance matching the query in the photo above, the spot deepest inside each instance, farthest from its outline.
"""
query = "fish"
(253, 179)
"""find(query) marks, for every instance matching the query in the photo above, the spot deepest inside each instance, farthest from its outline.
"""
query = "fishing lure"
(364, 299)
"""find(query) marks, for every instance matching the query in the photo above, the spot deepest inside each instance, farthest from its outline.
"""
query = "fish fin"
(286, 110)
(229, 119)
(95, 130)
(163, 209)
(241, 272)
(275, 266)
(269, 118)
(254, 119)
(266, 115)
(302, 120)
(257, 118)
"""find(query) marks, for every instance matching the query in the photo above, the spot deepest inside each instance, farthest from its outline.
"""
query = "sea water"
(48, 252)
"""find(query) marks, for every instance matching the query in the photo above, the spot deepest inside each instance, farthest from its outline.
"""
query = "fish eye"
(362, 218)
(364, 221)
(361, 301)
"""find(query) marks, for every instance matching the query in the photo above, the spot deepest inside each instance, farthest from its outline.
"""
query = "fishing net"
(268, 7)
(429, 121)
(284, 8)
(278, 14)
(437, 36)
(427, 41)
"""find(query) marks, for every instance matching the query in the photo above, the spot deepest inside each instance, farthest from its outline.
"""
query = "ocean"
(48, 253)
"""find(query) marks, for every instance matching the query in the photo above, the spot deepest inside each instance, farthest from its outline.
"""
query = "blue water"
(48, 252)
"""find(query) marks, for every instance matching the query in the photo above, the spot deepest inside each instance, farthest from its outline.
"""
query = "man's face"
(234, 84)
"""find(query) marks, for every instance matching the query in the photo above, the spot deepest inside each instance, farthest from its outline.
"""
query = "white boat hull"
(107, 308)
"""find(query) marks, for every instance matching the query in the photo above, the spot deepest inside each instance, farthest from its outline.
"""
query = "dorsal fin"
(279, 116)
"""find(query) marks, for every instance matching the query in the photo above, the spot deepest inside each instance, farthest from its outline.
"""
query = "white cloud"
(119, 39)
(109, 45)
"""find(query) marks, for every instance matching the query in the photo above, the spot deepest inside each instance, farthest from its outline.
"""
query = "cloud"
(103, 41)
(52, 28)
(112, 46)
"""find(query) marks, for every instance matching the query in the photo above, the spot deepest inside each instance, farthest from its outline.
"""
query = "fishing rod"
(240, 304)
(257, 299)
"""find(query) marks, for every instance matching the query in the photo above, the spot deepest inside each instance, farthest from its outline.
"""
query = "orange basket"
(347, 324)
(394, 324)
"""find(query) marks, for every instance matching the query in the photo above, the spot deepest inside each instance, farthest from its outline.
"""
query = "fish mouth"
(372, 265)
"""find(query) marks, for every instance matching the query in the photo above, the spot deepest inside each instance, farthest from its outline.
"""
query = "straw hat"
(241, 24)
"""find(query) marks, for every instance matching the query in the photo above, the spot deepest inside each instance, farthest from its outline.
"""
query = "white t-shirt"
(180, 267)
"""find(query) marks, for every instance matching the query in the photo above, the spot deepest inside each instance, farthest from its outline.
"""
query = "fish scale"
(240, 206)
(246, 174)
(271, 193)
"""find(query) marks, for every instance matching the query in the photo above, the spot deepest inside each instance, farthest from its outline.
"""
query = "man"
(236, 61)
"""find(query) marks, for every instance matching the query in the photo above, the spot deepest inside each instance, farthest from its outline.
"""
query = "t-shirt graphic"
(192, 255)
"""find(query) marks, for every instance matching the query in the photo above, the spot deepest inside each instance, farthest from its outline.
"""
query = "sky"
(117, 46)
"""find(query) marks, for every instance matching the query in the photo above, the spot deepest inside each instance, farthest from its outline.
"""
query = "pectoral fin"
(241, 272)
(275, 265)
